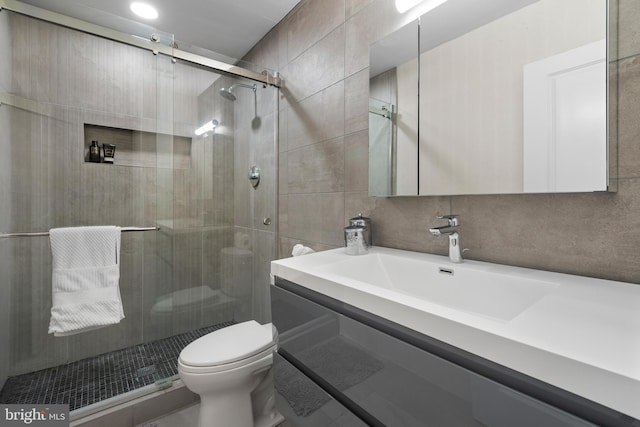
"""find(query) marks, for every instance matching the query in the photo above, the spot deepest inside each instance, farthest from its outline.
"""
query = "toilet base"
(263, 400)
(230, 409)
(188, 417)
(267, 421)
(219, 413)
(234, 406)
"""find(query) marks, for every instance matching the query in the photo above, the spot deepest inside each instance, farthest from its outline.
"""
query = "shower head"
(227, 93)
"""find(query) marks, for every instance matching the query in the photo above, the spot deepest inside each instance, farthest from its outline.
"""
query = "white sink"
(477, 290)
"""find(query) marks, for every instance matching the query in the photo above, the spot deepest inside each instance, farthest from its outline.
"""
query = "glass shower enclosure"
(203, 261)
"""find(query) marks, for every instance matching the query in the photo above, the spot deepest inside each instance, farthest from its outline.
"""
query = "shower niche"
(136, 148)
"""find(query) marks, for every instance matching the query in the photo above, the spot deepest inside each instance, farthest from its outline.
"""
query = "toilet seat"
(230, 347)
(266, 356)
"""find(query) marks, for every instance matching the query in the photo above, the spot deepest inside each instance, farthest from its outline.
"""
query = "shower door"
(205, 267)
(216, 226)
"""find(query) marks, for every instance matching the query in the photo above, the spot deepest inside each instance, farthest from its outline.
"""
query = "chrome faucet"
(450, 230)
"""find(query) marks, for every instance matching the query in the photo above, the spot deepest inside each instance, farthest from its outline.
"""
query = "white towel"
(85, 279)
(301, 250)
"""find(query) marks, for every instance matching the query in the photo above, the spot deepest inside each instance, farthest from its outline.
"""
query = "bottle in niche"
(109, 152)
(94, 152)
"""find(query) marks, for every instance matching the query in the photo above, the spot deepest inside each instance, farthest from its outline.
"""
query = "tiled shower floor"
(98, 378)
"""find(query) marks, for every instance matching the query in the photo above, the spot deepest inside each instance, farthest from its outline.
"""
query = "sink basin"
(460, 286)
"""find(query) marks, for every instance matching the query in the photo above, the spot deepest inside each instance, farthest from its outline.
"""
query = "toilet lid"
(227, 345)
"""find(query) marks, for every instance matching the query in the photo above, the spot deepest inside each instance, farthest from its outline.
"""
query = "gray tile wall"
(5, 194)
(321, 51)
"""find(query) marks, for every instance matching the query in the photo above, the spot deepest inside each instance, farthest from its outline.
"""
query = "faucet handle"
(453, 219)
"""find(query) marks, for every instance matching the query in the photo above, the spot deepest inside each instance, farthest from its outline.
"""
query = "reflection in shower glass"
(381, 147)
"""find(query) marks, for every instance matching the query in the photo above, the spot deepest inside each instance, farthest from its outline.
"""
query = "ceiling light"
(144, 10)
(209, 126)
(404, 5)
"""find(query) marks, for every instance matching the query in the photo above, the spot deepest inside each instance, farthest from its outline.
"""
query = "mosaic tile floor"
(98, 378)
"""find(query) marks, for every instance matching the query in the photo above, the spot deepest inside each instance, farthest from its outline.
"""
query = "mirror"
(512, 99)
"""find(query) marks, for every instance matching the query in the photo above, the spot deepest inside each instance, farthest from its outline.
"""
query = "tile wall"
(321, 50)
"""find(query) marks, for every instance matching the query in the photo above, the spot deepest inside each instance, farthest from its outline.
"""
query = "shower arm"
(253, 87)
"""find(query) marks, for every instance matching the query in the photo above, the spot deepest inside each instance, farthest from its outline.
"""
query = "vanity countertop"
(582, 336)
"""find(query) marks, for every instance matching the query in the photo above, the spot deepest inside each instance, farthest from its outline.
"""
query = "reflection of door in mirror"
(565, 121)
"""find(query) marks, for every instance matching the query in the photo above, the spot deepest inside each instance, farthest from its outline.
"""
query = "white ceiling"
(229, 27)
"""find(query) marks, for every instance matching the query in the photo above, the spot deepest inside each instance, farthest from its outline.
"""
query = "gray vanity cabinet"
(380, 378)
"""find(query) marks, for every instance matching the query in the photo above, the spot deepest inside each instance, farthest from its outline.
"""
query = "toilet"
(231, 370)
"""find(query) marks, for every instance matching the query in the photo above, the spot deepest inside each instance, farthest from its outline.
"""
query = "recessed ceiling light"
(144, 10)
(404, 5)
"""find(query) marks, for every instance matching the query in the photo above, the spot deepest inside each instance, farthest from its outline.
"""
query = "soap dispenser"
(364, 222)
(94, 152)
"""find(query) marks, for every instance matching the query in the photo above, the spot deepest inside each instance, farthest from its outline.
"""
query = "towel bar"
(46, 233)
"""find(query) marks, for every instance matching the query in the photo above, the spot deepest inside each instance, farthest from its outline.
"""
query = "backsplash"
(321, 51)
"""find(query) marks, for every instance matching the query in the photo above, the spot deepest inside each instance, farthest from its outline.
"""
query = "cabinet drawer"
(303, 403)
(498, 406)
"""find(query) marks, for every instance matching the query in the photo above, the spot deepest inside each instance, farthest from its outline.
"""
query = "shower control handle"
(254, 176)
